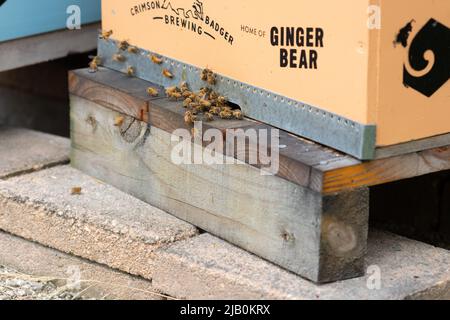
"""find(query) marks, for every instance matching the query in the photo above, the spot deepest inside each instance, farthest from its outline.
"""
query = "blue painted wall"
(22, 18)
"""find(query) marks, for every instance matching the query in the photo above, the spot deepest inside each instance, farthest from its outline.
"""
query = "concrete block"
(101, 224)
(94, 280)
(206, 267)
(23, 150)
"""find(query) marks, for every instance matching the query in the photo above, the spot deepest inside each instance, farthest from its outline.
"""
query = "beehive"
(23, 18)
(353, 75)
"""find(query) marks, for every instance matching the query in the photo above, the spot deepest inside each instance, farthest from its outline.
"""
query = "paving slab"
(40, 264)
(101, 223)
(206, 267)
(23, 150)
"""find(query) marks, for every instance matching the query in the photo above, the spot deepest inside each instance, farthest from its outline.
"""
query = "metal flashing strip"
(321, 126)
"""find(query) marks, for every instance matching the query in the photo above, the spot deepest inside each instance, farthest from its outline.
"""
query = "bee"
(132, 49)
(184, 87)
(211, 79)
(189, 117)
(225, 114)
(155, 59)
(209, 116)
(118, 121)
(75, 191)
(176, 95)
(204, 91)
(205, 103)
(238, 114)
(215, 110)
(166, 73)
(208, 76)
(93, 65)
(105, 35)
(152, 92)
(130, 71)
(214, 95)
(118, 57)
(186, 94)
(123, 45)
(222, 100)
(204, 74)
(187, 102)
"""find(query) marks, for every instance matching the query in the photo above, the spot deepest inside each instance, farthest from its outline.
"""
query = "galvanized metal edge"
(321, 126)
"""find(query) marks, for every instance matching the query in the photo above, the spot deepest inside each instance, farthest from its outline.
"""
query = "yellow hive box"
(351, 74)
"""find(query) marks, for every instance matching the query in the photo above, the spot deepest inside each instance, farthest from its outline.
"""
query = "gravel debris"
(18, 286)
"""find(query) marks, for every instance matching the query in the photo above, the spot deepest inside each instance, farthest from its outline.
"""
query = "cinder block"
(23, 150)
(101, 224)
(96, 281)
(206, 267)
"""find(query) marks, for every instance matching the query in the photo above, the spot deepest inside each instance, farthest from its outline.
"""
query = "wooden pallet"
(310, 218)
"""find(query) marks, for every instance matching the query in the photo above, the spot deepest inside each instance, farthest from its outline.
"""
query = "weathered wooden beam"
(322, 238)
(301, 161)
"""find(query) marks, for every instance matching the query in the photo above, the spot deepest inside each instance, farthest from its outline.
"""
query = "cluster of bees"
(206, 102)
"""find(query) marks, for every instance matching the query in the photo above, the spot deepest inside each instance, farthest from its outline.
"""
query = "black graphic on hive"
(196, 12)
(427, 67)
(192, 19)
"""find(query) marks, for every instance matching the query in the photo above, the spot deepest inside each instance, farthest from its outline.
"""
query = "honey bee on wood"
(205, 103)
(186, 94)
(189, 117)
(166, 73)
(93, 65)
(193, 105)
(123, 45)
(215, 110)
(118, 57)
(155, 59)
(222, 100)
(133, 49)
(209, 116)
(187, 102)
(118, 121)
(226, 114)
(174, 93)
(75, 191)
(152, 92)
(237, 114)
(131, 71)
(214, 95)
(105, 35)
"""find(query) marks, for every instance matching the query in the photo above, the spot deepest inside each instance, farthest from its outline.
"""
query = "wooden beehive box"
(24, 18)
(354, 75)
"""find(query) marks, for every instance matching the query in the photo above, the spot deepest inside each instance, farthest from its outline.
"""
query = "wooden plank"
(116, 91)
(300, 161)
(413, 146)
(320, 238)
(386, 170)
(45, 47)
